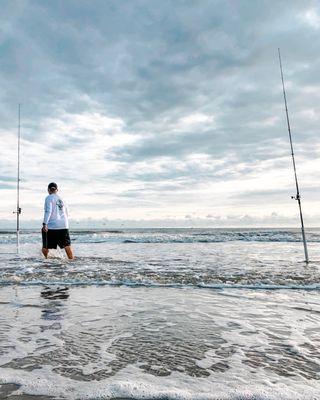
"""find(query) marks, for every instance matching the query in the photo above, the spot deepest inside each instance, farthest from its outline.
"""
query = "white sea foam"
(132, 384)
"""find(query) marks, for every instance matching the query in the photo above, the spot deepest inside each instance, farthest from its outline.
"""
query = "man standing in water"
(55, 227)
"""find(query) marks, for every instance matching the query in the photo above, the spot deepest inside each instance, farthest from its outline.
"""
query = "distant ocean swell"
(172, 236)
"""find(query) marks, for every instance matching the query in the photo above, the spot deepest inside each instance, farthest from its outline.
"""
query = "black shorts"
(55, 237)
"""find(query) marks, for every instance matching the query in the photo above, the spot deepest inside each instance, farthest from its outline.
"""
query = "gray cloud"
(154, 66)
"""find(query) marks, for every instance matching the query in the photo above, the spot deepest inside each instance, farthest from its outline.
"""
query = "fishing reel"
(297, 197)
(18, 211)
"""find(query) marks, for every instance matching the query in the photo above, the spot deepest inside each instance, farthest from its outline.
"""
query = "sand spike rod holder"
(18, 209)
(297, 196)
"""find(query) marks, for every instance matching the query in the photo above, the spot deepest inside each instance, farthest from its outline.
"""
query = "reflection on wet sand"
(55, 292)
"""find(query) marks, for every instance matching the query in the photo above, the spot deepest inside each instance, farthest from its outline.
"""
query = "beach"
(161, 314)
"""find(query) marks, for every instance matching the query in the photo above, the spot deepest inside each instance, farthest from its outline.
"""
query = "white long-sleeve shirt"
(55, 213)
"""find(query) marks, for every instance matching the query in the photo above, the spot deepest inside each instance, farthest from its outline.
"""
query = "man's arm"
(47, 214)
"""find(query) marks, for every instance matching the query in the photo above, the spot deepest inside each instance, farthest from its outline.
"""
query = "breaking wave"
(106, 271)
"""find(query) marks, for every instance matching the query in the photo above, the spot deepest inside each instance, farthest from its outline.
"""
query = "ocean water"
(161, 314)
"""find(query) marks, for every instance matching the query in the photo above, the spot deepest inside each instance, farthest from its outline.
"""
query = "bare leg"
(45, 252)
(68, 250)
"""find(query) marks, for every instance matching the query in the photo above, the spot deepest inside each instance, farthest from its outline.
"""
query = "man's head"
(52, 187)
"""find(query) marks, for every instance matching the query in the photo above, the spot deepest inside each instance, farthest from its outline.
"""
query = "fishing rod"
(297, 196)
(18, 210)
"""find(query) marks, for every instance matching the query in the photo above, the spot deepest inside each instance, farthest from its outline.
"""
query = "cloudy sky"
(164, 112)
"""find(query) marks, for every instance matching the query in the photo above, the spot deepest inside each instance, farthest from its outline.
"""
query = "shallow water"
(222, 319)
